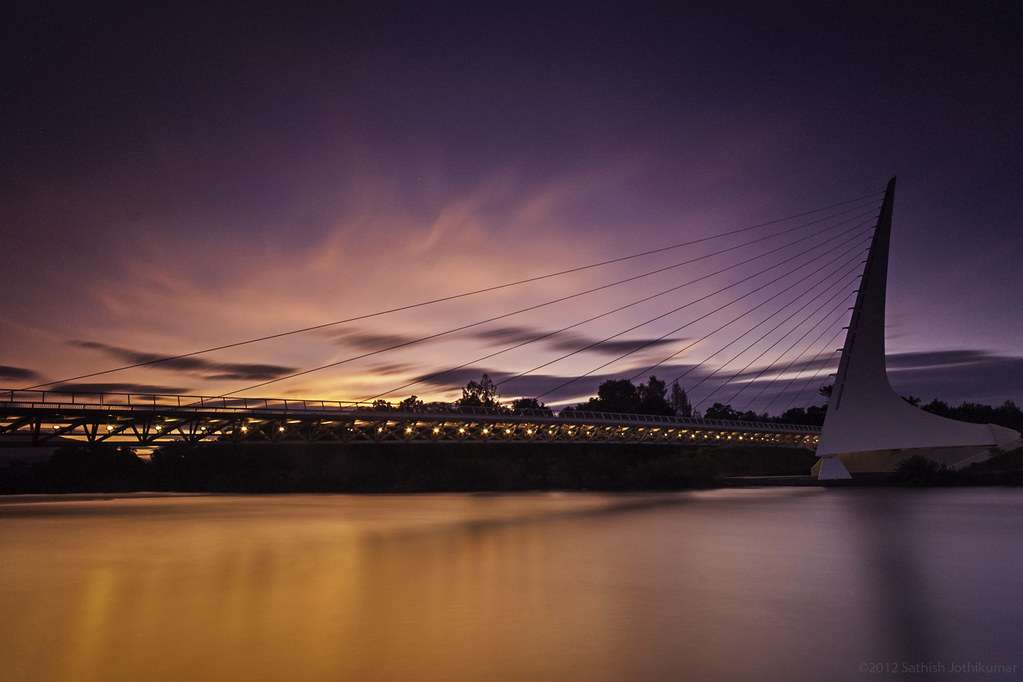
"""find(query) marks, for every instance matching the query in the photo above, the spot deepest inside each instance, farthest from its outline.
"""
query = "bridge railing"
(155, 402)
(140, 402)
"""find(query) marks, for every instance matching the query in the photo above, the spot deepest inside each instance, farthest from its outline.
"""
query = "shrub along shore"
(399, 468)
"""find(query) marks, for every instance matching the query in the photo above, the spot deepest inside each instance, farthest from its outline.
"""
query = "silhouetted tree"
(1007, 414)
(529, 404)
(680, 404)
(614, 395)
(719, 411)
(621, 395)
(480, 393)
(410, 404)
(938, 407)
(811, 416)
(652, 397)
(381, 405)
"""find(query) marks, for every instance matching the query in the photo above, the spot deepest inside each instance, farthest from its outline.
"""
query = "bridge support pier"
(830, 469)
(867, 422)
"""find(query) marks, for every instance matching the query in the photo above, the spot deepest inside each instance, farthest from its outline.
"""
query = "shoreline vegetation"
(473, 467)
(497, 467)
(376, 468)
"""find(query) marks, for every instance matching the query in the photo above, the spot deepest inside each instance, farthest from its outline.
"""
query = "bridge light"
(109, 428)
(461, 430)
(436, 430)
(380, 429)
(529, 431)
(486, 431)
(507, 432)
(280, 428)
(244, 428)
(408, 429)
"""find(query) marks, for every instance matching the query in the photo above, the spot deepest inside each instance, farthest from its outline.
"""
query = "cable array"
(815, 263)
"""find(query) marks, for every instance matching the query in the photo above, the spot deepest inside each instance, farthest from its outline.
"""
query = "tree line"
(656, 397)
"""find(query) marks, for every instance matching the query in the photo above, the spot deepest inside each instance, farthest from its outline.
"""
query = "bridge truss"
(148, 420)
(747, 317)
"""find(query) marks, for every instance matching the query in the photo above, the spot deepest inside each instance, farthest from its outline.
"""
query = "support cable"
(812, 377)
(747, 384)
(780, 373)
(470, 325)
(677, 329)
(735, 357)
(695, 367)
(465, 294)
(548, 335)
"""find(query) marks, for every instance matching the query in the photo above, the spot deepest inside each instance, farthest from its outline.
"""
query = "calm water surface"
(757, 584)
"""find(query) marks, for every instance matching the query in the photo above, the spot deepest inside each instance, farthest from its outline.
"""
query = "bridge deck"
(48, 418)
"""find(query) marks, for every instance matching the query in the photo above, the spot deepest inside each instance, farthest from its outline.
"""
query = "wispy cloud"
(116, 388)
(368, 341)
(8, 372)
(511, 336)
(206, 369)
(947, 374)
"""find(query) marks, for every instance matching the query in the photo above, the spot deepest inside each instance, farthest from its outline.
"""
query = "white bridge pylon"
(868, 426)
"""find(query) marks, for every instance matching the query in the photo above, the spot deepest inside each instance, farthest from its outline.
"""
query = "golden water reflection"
(749, 584)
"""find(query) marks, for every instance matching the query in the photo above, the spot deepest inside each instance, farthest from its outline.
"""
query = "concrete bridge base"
(886, 461)
(830, 469)
(869, 427)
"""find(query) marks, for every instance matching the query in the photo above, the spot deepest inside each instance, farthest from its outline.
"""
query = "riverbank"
(399, 468)
(471, 467)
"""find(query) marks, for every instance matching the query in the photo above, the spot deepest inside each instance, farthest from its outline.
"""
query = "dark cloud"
(623, 346)
(940, 358)
(567, 341)
(248, 372)
(370, 340)
(564, 342)
(950, 375)
(18, 374)
(115, 388)
(897, 363)
(958, 375)
(392, 369)
(535, 384)
(206, 369)
(508, 334)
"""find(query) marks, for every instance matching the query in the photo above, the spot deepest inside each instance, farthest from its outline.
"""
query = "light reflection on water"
(793, 584)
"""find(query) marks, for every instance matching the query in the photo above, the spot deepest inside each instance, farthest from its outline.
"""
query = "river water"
(750, 584)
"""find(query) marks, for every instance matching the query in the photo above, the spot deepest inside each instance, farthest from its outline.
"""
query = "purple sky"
(181, 179)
